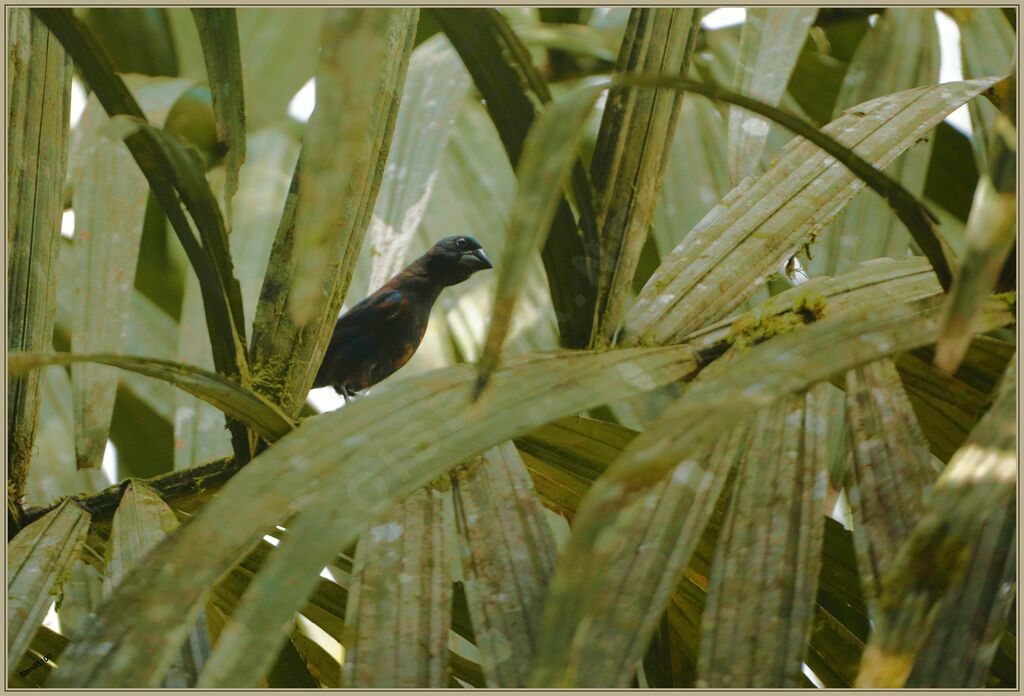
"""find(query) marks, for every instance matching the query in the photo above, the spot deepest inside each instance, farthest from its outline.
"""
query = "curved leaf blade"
(991, 235)
(936, 560)
(338, 456)
(549, 152)
(900, 52)
(498, 62)
(353, 42)
(229, 397)
(764, 221)
(755, 379)
(891, 469)
(176, 179)
(765, 573)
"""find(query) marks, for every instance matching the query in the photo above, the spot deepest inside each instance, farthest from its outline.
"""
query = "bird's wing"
(356, 335)
(370, 311)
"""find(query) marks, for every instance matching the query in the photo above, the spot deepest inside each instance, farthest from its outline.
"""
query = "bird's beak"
(476, 260)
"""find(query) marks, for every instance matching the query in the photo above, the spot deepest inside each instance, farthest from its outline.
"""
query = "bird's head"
(454, 259)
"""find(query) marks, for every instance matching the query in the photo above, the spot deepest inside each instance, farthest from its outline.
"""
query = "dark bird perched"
(376, 337)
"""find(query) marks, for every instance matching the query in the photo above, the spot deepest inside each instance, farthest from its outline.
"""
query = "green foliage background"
(720, 416)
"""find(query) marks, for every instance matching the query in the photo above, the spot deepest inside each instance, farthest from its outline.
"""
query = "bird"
(379, 335)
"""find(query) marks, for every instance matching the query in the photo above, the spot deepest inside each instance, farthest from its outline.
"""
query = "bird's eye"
(461, 242)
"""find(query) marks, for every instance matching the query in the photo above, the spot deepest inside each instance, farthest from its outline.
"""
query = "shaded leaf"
(960, 648)
(141, 522)
(290, 670)
(504, 74)
(765, 573)
(937, 559)
(233, 400)
(353, 42)
(54, 474)
(762, 222)
(138, 39)
(39, 96)
(38, 560)
(275, 63)
(472, 195)
(755, 379)
(900, 52)
(548, 154)
(987, 43)
(571, 38)
(110, 196)
(891, 469)
(285, 355)
(991, 235)
(198, 426)
(321, 664)
(566, 456)
(770, 44)
(508, 555)
(177, 179)
(338, 456)
(218, 33)
(947, 408)
(630, 155)
(435, 87)
(399, 607)
(656, 540)
(695, 176)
